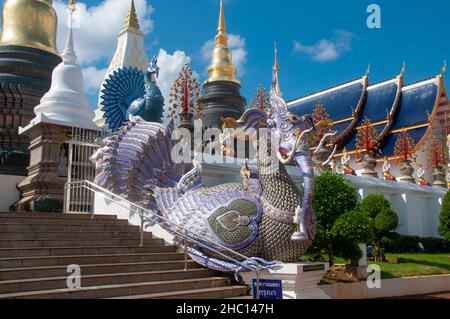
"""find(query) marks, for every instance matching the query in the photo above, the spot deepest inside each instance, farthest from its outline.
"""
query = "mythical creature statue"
(265, 218)
(387, 176)
(130, 92)
(421, 177)
(345, 161)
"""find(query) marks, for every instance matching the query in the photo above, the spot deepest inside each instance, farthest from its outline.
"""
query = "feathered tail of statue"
(136, 158)
(265, 217)
(131, 92)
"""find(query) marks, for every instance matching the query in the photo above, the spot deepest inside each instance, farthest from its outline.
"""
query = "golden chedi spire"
(132, 21)
(222, 68)
(29, 23)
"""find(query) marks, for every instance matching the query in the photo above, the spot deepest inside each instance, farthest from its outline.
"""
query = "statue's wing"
(136, 157)
(227, 215)
(123, 86)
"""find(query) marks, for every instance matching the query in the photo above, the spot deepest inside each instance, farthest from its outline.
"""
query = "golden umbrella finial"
(132, 19)
(222, 28)
(444, 68)
(222, 68)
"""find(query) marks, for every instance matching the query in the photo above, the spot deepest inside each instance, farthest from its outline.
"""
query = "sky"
(321, 43)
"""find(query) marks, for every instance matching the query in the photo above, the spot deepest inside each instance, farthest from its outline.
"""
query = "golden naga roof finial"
(72, 4)
(444, 69)
(132, 21)
(403, 69)
(368, 70)
(276, 67)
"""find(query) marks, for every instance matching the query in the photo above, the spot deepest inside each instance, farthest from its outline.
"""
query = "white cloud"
(98, 27)
(237, 45)
(93, 78)
(327, 49)
(170, 66)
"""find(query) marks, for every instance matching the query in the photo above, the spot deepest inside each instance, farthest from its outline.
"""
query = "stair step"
(95, 269)
(69, 221)
(132, 234)
(50, 242)
(122, 290)
(65, 228)
(208, 293)
(86, 259)
(36, 249)
(26, 285)
(53, 215)
(95, 250)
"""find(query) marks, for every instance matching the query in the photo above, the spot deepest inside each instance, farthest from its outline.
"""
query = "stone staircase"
(36, 249)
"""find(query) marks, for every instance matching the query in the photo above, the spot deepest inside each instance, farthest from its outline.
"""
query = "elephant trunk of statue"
(304, 215)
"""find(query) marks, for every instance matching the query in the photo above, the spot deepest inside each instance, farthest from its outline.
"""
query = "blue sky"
(415, 33)
(321, 43)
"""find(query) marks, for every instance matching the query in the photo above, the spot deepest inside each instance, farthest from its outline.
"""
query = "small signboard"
(268, 289)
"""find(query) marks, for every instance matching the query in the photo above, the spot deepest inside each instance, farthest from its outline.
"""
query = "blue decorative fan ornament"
(130, 92)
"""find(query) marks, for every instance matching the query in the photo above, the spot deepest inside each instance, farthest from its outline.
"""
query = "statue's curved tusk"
(291, 155)
(331, 156)
(319, 147)
(283, 160)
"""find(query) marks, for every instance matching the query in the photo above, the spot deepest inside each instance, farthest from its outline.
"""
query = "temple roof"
(390, 107)
(343, 103)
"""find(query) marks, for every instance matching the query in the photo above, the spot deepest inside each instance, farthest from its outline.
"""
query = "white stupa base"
(299, 281)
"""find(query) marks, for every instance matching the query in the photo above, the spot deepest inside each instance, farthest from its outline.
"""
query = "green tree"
(333, 198)
(444, 218)
(384, 220)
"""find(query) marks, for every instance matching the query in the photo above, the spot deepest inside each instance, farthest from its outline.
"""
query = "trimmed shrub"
(374, 204)
(354, 226)
(444, 218)
(348, 231)
(385, 222)
(399, 244)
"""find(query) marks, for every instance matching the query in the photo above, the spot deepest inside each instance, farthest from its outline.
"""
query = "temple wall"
(418, 207)
(9, 194)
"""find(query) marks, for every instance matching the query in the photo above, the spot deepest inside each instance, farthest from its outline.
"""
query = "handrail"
(163, 222)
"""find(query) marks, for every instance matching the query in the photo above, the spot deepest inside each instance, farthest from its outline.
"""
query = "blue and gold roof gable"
(390, 106)
(343, 103)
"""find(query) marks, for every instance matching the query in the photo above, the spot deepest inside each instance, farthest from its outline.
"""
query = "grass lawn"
(411, 265)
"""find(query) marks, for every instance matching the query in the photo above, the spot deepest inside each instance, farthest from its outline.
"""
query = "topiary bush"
(384, 220)
(349, 230)
(333, 197)
(372, 205)
(354, 226)
(444, 218)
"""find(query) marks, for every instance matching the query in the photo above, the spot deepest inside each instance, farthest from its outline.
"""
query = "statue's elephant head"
(293, 134)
